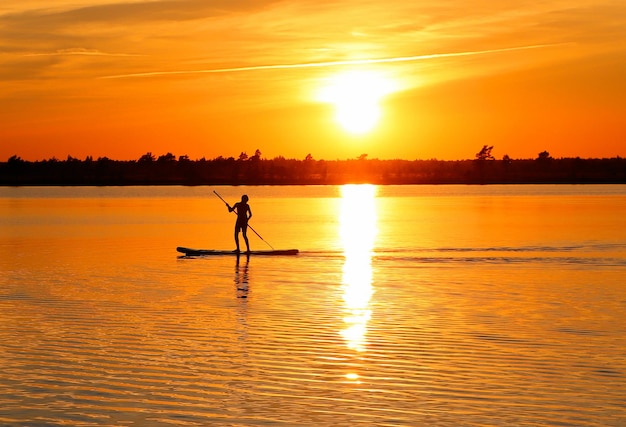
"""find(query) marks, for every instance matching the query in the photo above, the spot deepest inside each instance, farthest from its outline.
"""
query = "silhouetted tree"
(15, 160)
(148, 157)
(485, 153)
(544, 155)
(169, 157)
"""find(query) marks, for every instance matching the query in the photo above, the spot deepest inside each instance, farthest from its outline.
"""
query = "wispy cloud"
(331, 63)
(80, 52)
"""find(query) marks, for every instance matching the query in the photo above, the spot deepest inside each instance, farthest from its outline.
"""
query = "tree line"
(168, 169)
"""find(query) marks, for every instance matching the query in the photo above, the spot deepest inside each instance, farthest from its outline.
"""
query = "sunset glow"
(397, 80)
(356, 96)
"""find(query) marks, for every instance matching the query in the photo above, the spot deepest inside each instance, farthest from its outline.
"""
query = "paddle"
(249, 226)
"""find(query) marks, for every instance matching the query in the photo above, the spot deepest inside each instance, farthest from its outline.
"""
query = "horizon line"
(364, 157)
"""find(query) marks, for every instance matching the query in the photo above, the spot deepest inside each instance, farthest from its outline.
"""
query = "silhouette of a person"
(244, 213)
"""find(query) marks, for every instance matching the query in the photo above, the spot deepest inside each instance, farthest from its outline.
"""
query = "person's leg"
(244, 231)
(237, 236)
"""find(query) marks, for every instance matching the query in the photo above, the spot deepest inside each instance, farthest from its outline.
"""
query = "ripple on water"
(479, 334)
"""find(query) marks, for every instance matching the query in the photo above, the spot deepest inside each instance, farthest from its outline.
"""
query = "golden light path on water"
(357, 230)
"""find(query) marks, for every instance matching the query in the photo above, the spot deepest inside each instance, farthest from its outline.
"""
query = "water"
(410, 305)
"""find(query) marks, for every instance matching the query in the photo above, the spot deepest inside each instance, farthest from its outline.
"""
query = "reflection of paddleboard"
(203, 252)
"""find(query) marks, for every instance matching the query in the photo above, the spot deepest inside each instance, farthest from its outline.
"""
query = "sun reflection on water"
(357, 229)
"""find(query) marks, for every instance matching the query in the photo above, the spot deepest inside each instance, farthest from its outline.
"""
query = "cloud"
(44, 29)
(125, 12)
(79, 51)
(332, 63)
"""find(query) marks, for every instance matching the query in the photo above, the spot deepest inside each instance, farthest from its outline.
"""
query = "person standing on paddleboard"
(244, 213)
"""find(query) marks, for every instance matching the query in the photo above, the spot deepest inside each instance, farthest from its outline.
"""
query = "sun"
(356, 96)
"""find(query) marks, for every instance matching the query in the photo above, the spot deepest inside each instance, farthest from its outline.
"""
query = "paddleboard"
(207, 252)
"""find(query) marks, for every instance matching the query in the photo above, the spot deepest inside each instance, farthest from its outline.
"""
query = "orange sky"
(209, 78)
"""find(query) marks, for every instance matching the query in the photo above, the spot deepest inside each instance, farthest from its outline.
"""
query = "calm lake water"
(407, 306)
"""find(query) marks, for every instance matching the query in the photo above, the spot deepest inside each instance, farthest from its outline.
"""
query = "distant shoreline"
(280, 171)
